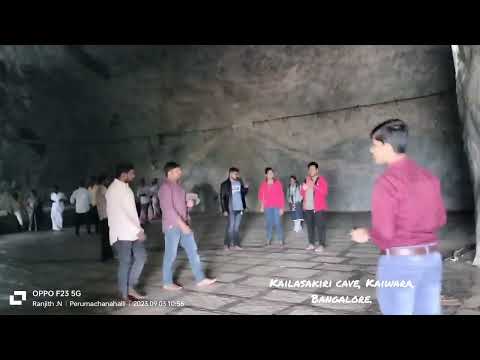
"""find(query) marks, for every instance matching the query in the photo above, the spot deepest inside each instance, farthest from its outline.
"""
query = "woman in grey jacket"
(294, 199)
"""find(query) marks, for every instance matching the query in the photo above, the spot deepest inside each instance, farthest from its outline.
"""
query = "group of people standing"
(407, 212)
(307, 202)
(21, 207)
(90, 209)
(148, 199)
(127, 235)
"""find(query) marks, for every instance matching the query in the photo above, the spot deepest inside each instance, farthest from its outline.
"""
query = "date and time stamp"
(74, 298)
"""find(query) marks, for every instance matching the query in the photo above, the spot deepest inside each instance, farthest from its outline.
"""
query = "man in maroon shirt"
(407, 212)
(176, 227)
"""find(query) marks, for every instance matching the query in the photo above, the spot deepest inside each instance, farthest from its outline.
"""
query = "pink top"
(271, 195)
(320, 191)
(407, 206)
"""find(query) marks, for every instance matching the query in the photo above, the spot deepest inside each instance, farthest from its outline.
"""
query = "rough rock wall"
(48, 108)
(467, 66)
(211, 107)
(283, 106)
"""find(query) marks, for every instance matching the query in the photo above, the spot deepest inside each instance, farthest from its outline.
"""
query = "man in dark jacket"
(232, 199)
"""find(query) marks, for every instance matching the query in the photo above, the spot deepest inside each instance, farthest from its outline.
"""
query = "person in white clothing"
(31, 204)
(126, 235)
(295, 199)
(58, 207)
(17, 210)
(143, 194)
(154, 195)
(82, 200)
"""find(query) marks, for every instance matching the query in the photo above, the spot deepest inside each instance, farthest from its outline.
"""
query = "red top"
(320, 193)
(271, 195)
(407, 206)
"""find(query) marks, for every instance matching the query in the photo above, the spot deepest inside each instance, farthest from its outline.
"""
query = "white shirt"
(144, 195)
(81, 199)
(122, 213)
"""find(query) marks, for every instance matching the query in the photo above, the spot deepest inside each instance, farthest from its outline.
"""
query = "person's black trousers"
(316, 226)
(94, 219)
(81, 219)
(106, 249)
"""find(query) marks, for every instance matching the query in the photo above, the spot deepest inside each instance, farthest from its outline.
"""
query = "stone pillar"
(467, 69)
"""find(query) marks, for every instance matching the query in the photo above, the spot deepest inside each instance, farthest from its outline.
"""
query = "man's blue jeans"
(132, 257)
(273, 219)
(172, 237)
(232, 236)
(425, 274)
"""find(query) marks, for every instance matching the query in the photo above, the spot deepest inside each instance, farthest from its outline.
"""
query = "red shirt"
(320, 193)
(407, 206)
(271, 195)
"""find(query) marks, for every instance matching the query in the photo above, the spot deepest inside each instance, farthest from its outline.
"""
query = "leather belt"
(411, 251)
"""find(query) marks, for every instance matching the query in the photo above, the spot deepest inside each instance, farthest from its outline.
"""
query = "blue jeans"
(425, 273)
(172, 238)
(273, 219)
(129, 271)
(232, 236)
(297, 214)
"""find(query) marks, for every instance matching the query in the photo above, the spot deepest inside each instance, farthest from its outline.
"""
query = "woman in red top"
(272, 202)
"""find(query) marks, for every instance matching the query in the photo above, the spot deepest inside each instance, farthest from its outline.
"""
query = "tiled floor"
(47, 261)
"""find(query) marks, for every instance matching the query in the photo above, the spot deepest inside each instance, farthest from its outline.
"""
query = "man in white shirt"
(143, 194)
(82, 199)
(126, 235)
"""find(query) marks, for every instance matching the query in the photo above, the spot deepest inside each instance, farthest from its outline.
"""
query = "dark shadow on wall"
(87, 60)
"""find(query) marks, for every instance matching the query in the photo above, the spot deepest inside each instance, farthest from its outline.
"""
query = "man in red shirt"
(314, 192)
(407, 212)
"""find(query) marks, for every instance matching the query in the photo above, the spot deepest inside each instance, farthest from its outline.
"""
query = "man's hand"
(360, 235)
(282, 212)
(186, 230)
(141, 236)
(190, 204)
(310, 183)
(225, 213)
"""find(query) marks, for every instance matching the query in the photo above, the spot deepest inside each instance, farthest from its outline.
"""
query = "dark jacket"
(226, 194)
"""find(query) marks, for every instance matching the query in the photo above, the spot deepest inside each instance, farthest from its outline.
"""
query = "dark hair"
(101, 179)
(293, 177)
(233, 169)
(170, 166)
(123, 169)
(81, 183)
(155, 181)
(267, 170)
(55, 187)
(393, 132)
(313, 163)
(34, 192)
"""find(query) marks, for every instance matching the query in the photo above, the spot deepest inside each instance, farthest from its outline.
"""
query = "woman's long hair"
(274, 175)
(294, 178)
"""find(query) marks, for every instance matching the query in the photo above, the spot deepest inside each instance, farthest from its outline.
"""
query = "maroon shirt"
(407, 206)
(173, 202)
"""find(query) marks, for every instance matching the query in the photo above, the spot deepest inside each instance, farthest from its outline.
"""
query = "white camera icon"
(14, 302)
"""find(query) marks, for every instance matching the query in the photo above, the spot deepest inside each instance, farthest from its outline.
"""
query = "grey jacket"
(294, 196)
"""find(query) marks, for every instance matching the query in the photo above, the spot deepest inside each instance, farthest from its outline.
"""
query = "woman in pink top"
(272, 202)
